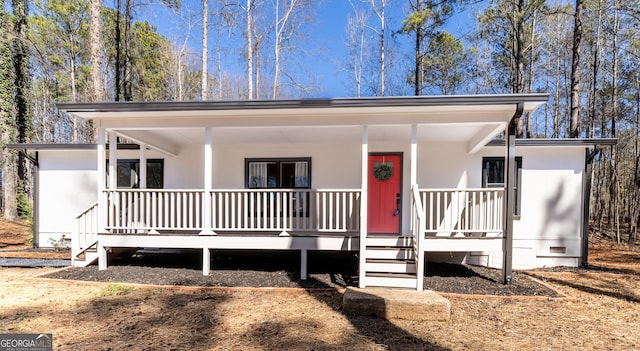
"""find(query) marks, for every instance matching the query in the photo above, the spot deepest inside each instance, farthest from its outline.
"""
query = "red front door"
(385, 185)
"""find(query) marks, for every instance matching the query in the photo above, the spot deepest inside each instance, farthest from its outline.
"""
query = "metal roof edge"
(559, 142)
(38, 147)
(303, 103)
(67, 146)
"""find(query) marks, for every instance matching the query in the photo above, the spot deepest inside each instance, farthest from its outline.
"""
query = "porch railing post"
(363, 205)
(208, 180)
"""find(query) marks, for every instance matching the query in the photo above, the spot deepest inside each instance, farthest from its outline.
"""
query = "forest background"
(584, 53)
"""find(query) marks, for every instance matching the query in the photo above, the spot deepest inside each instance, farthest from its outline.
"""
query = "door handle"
(397, 211)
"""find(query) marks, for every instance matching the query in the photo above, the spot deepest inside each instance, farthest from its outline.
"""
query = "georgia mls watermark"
(26, 342)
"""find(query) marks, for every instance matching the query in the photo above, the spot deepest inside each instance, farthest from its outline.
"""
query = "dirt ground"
(15, 242)
(601, 311)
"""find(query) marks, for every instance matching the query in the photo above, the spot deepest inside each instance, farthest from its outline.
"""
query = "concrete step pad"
(396, 304)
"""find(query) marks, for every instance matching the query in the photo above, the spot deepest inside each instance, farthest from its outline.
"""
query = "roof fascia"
(41, 147)
(505, 99)
(67, 147)
(586, 142)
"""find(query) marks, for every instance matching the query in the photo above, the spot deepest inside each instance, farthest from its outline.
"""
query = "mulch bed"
(281, 269)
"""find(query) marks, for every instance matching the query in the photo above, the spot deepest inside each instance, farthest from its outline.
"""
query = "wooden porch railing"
(86, 233)
(463, 212)
(276, 210)
(137, 210)
(286, 210)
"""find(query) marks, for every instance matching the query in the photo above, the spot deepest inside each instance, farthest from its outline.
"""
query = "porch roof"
(392, 107)
(474, 119)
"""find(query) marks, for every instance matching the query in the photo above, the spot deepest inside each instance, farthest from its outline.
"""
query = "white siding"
(67, 186)
(547, 233)
(333, 166)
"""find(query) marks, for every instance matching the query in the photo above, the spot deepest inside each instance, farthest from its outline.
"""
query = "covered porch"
(210, 144)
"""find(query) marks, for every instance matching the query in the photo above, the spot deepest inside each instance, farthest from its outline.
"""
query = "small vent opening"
(558, 249)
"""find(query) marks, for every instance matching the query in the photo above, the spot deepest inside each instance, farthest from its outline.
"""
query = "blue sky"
(327, 35)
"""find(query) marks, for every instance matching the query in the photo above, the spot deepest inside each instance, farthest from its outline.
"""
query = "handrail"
(86, 232)
(91, 207)
(418, 232)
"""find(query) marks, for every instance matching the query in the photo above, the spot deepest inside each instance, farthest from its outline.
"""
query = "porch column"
(102, 161)
(142, 184)
(208, 182)
(102, 257)
(113, 160)
(414, 154)
(420, 234)
(364, 204)
(509, 203)
(303, 264)
(206, 261)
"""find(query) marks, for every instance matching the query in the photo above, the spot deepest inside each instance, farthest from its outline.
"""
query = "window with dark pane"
(128, 176)
(493, 176)
(289, 173)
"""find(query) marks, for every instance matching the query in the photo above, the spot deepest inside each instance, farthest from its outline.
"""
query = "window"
(288, 173)
(493, 176)
(129, 173)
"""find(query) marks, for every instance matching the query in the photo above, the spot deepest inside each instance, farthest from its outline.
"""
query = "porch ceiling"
(471, 119)
(174, 137)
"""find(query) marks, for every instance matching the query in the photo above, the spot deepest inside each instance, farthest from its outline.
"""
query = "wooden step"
(398, 253)
(391, 280)
(392, 275)
(389, 240)
(390, 265)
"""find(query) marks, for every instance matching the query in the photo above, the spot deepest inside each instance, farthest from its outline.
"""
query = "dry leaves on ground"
(102, 316)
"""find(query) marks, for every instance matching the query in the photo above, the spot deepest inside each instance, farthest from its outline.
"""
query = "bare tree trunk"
(96, 50)
(556, 106)
(205, 40)
(594, 78)
(634, 218)
(10, 186)
(128, 95)
(23, 88)
(574, 128)
(383, 63)
(380, 13)
(281, 26)
(614, 186)
(519, 82)
(356, 41)
(74, 93)
(249, 34)
(417, 84)
(527, 116)
(118, 63)
(7, 121)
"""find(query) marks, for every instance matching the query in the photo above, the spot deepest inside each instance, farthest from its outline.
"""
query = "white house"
(401, 180)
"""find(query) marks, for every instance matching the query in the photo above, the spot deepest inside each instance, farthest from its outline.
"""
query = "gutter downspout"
(36, 202)
(590, 155)
(509, 204)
